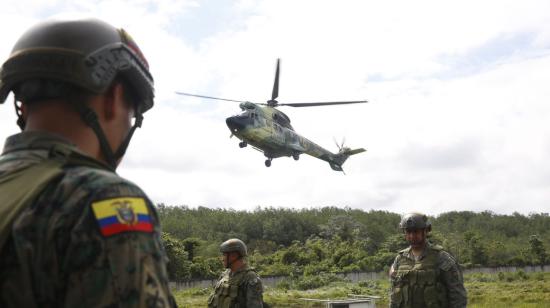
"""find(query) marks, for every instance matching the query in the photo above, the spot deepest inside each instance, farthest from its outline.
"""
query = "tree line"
(303, 242)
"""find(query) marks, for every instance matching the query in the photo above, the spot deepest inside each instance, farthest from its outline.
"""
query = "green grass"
(484, 290)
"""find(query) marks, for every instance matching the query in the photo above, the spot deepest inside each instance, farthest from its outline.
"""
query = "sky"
(458, 93)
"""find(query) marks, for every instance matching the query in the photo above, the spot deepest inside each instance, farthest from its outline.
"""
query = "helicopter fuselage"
(268, 130)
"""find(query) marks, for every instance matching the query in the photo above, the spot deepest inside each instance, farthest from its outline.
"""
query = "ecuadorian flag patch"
(122, 215)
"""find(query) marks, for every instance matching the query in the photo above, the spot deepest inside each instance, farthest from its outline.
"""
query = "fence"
(272, 281)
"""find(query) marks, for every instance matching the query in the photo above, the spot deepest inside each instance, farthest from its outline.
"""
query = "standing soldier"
(72, 232)
(239, 286)
(424, 275)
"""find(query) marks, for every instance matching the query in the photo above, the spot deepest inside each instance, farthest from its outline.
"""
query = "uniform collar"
(408, 252)
(54, 145)
(241, 269)
(34, 140)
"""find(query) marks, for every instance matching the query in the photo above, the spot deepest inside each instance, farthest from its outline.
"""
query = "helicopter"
(268, 129)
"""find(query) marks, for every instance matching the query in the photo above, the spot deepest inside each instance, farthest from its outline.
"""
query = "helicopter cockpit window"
(245, 114)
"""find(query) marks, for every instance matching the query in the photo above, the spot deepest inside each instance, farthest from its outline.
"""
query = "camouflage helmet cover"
(87, 53)
(234, 244)
(414, 221)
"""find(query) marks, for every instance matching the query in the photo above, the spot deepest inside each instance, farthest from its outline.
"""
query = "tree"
(344, 227)
(476, 249)
(190, 244)
(537, 250)
(178, 267)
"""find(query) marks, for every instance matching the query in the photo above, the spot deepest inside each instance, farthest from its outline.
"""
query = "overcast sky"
(458, 95)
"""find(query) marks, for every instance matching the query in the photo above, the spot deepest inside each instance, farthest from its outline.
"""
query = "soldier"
(239, 286)
(72, 232)
(424, 275)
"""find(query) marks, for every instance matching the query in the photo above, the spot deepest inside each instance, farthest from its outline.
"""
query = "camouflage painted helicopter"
(268, 130)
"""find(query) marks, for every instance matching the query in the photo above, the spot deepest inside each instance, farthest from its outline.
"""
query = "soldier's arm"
(118, 260)
(392, 274)
(254, 293)
(451, 276)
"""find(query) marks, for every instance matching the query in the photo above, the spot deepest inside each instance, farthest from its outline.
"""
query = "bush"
(314, 282)
(369, 284)
(284, 284)
(522, 275)
(539, 277)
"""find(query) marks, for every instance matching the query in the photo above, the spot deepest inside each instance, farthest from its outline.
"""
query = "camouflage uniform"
(64, 252)
(433, 279)
(241, 289)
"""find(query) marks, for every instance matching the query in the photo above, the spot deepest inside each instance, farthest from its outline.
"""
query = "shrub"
(314, 282)
(522, 275)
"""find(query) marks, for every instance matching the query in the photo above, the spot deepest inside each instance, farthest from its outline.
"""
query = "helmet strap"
(137, 123)
(90, 118)
(229, 263)
(20, 119)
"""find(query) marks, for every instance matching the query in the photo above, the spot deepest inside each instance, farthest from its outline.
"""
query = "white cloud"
(457, 92)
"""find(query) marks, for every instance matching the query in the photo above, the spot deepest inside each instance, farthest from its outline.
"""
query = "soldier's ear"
(112, 99)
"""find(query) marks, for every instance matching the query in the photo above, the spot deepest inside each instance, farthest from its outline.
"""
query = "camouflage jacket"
(241, 289)
(90, 238)
(409, 273)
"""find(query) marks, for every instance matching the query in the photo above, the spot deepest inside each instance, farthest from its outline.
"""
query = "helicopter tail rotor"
(337, 160)
(341, 146)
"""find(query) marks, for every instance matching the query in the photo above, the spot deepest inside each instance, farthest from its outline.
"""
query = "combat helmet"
(234, 244)
(414, 221)
(88, 54)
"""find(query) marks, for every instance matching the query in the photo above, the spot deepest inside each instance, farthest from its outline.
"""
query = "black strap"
(122, 148)
(90, 118)
(20, 120)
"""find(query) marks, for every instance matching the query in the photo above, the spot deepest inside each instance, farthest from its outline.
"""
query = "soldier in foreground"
(239, 286)
(72, 232)
(424, 275)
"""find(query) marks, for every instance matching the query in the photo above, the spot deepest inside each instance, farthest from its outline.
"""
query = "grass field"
(484, 290)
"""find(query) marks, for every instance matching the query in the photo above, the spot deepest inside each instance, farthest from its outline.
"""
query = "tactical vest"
(228, 292)
(20, 187)
(416, 284)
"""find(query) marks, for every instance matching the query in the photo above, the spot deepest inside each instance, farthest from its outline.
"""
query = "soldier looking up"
(72, 232)
(239, 285)
(424, 275)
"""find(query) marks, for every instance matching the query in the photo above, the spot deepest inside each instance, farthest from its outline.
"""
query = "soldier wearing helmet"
(239, 285)
(424, 275)
(72, 232)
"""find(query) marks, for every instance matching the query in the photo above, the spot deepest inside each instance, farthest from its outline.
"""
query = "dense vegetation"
(327, 240)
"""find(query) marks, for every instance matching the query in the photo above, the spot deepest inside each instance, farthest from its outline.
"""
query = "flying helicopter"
(268, 129)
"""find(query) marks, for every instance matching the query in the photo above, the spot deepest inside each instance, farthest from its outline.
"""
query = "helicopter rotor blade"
(321, 104)
(211, 97)
(275, 92)
(337, 144)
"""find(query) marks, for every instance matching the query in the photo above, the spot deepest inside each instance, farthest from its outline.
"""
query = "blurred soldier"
(424, 275)
(239, 286)
(72, 232)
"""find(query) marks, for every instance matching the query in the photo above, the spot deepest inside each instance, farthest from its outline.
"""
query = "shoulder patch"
(119, 215)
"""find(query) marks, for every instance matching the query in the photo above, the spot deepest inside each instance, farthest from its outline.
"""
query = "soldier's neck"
(54, 117)
(418, 251)
(237, 265)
